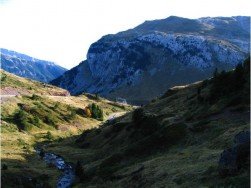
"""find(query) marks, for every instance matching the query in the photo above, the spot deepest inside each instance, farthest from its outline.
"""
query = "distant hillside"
(15, 85)
(28, 67)
(195, 135)
(140, 63)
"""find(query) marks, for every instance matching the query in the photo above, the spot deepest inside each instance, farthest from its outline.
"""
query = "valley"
(186, 123)
(33, 113)
(174, 141)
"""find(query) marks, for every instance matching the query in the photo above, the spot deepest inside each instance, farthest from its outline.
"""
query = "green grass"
(33, 119)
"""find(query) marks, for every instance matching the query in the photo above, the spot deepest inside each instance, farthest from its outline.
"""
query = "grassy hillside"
(174, 141)
(34, 112)
(15, 85)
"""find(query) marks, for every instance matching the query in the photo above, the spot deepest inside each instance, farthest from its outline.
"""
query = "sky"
(62, 30)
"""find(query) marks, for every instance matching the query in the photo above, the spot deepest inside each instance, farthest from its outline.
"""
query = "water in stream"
(68, 175)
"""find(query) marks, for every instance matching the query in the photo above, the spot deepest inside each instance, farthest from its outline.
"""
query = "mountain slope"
(15, 85)
(32, 113)
(28, 67)
(177, 140)
(139, 64)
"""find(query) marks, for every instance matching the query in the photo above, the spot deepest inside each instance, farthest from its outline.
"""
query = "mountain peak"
(138, 64)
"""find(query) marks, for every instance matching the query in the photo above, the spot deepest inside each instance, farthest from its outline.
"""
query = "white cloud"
(63, 30)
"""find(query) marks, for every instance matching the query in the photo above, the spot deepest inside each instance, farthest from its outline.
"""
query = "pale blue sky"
(62, 30)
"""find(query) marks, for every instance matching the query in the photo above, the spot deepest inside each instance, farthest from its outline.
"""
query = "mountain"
(140, 63)
(194, 135)
(29, 67)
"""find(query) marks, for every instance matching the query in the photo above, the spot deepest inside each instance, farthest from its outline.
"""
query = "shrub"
(35, 120)
(50, 120)
(56, 106)
(95, 111)
(24, 107)
(97, 97)
(3, 77)
(72, 113)
(49, 136)
(21, 142)
(21, 119)
(35, 97)
(229, 83)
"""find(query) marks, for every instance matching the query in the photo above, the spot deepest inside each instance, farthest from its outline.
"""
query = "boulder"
(237, 157)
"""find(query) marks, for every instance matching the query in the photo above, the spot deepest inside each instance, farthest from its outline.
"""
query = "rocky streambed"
(68, 174)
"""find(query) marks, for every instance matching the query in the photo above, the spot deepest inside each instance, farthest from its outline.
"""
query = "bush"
(35, 120)
(3, 77)
(56, 106)
(35, 97)
(95, 111)
(229, 83)
(21, 119)
(49, 136)
(50, 120)
(72, 113)
(97, 97)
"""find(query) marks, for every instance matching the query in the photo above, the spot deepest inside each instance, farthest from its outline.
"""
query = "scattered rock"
(237, 157)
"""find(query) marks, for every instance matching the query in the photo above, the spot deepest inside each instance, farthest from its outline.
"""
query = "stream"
(68, 174)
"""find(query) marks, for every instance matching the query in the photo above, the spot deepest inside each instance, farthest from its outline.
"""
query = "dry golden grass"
(17, 147)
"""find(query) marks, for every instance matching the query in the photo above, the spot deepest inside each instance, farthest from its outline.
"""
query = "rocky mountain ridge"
(29, 67)
(139, 64)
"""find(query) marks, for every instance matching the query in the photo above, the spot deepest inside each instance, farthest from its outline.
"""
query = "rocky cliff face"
(141, 63)
(28, 67)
